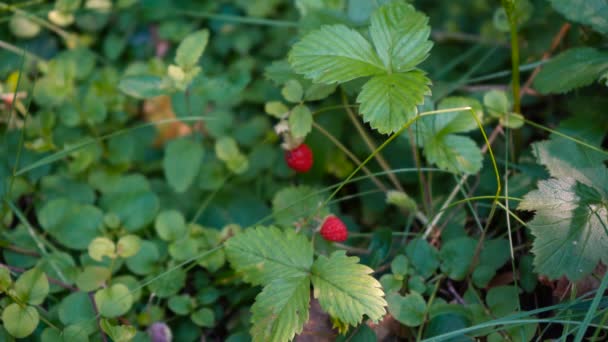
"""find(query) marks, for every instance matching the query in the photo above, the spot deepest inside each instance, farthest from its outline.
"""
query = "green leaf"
(191, 49)
(502, 300)
(390, 101)
(346, 290)
(143, 86)
(263, 254)
(73, 224)
(276, 109)
(497, 103)
(181, 305)
(168, 283)
(400, 35)
(281, 309)
(100, 247)
(5, 279)
(92, 278)
(170, 225)
(118, 333)
(400, 265)
(454, 153)
(589, 12)
(114, 301)
(292, 91)
(145, 261)
(570, 228)
(456, 257)
(292, 204)
(423, 257)
(333, 54)
(300, 121)
(128, 245)
(409, 310)
(77, 308)
(32, 286)
(203, 317)
(20, 321)
(459, 121)
(182, 163)
(572, 69)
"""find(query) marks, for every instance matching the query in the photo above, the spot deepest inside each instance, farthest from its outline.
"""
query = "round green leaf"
(300, 121)
(169, 283)
(20, 321)
(181, 305)
(32, 286)
(128, 246)
(183, 249)
(72, 224)
(77, 308)
(292, 91)
(92, 278)
(204, 317)
(182, 163)
(170, 225)
(400, 265)
(114, 301)
(408, 310)
(100, 247)
(146, 259)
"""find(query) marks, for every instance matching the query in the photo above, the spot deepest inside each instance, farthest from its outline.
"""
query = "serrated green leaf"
(409, 310)
(572, 69)
(32, 286)
(422, 256)
(346, 290)
(191, 49)
(400, 35)
(263, 254)
(456, 257)
(455, 153)
(20, 321)
(570, 228)
(142, 86)
(589, 12)
(281, 309)
(333, 54)
(390, 101)
(182, 162)
(459, 121)
(300, 121)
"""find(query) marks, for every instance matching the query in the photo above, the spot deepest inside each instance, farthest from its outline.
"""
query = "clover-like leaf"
(263, 254)
(281, 309)
(32, 286)
(400, 35)
(333, 54)
(389, 101)
(346, 290)
(114, 301)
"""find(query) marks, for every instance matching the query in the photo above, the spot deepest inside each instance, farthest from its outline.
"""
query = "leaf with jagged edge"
(334, 53)
(263, 254)
(389, 101)
(572, 69)
(400, 35)
(281, 310)
(454, 153)
(345, 289)
(589, 12)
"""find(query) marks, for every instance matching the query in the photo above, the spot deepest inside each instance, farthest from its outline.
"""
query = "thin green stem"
(509, 7)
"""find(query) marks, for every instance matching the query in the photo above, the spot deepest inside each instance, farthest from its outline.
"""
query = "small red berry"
(333, 229)
(300, 158)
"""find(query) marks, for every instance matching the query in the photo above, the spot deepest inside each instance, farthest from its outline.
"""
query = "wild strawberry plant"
(329, 170)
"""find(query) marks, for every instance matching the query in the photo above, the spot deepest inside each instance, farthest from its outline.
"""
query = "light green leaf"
(182, 163)
(226, 148)
(570, 228)
(346, 290)
(128, 245)
(455, 153)
(73, 224)
(400, 35)
(100, 247)
(497, 103)
(114, 301)
(5, 279)
(276, 109)
(281, 309)
(333, 54)
(572, 69)
(292, 204)
(20, 321)
(92, 278)
(390, 101)
(263, 254)
(170, 225)
(300, 121)
(143, 86)
(292, 91)
(589, 12)
(409, 310)
(32, 286)
(118, 333)
(191, 49)
(459, 121)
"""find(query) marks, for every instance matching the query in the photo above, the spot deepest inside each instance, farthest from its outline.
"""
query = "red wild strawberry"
(300, 158)
(333, 229)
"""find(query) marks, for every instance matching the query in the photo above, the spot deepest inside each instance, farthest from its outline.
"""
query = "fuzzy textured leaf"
(590, 12)
(400, 35)
(263, 254)
(333, 54)
(346, 290)
(572, 69)
(281, 309)
(389, 101)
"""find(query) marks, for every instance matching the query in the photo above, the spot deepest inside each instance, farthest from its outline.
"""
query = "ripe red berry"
(333, 229)
(300, 158)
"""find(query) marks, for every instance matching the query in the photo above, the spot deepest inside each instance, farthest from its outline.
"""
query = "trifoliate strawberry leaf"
(400, 35)
(389, 101)
(570, 225)
(281, 309)
(333, 54)
(263, 254)
(589, 12)
(346, 290)
(572, 69)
